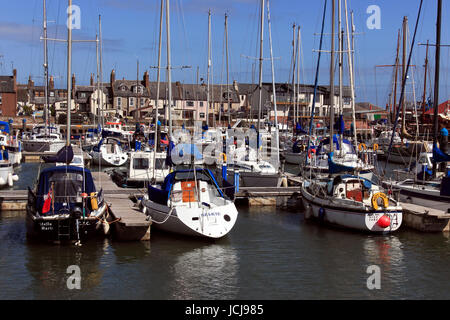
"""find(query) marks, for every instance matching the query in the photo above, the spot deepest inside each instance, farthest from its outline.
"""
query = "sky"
(130, 31)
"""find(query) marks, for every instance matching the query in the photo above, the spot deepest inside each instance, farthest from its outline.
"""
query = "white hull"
(109, 159)
(355, 217)
(7, 176)
(213, 222)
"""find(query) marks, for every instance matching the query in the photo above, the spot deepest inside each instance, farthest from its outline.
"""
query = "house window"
(201, 103)
(202, 115)
(190, 103)
(83, 94)
(138, 89)
(142, 101)
(131, 102)
(52, 94)
(119, 102)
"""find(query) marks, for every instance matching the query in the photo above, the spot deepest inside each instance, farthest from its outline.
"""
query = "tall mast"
(293, 76)
(341, 56)
(45, 69)
(277, 140)
(169, 71)
(156, 138)
(352, 86)
(69, 71)
(138, 105)
(332, 77)
(97, 111)
(396, 77)
(425, 83)
(228, 80)
(436, 78)
(209, 66)
(405, 30)
(260, 77)
(101, 70)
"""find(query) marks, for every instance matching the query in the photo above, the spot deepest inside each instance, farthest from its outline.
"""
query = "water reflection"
(384, 251)
(47, 265)
(206, 272)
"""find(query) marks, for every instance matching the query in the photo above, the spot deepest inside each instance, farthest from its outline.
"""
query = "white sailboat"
(189, 202)
(109, 152)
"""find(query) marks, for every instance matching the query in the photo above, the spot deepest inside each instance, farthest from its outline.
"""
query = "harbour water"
(270, 254)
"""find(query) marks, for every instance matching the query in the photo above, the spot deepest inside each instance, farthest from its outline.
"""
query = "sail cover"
(64, 155)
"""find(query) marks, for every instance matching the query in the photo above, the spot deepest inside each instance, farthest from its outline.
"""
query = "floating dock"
(425, 219)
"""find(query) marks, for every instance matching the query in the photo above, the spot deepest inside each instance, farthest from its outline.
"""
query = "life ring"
(375, 198)
(375, 147)
(361, 146)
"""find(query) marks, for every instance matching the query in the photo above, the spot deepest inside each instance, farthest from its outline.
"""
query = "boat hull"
(63, 227)
(349, 217)
(210, 223)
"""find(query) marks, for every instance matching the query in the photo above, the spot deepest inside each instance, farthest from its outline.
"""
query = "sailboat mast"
(69, 71)
(333, 3)
(405, 30)
(226, 61)
(352, 85)
(260, 77)
(209, 66)
(101, 70)
(45, 68)
(158, 73)
(169, 71)
(425, 83)
(277, 140)
(396, 78)
(436, 78)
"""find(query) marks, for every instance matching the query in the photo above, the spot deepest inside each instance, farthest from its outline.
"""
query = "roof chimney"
(91, 82)
(51, 83)
(146, 80)
(112, 78)
(30, 83)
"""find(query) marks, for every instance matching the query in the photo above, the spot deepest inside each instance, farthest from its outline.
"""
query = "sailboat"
(189, 202)
(343, 199)
(46, 137)
(65, 205)
(109, 152)
(431, 186)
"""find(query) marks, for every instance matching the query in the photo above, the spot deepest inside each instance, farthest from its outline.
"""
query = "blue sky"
(130, 33)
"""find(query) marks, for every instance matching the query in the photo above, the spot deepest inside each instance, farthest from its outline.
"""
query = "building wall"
(8, 104)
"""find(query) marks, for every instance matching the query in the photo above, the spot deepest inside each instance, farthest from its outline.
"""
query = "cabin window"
(161, 164)
(140, 163)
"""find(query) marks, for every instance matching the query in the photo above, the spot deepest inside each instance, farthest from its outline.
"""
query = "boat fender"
(375, 198)
(15, 177)
(10, 180)
(321, 214)
(94, 202)
(311, 151)
(375, 147)
(361, 146)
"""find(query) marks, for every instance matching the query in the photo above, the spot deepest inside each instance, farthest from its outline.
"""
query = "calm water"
(270, 254)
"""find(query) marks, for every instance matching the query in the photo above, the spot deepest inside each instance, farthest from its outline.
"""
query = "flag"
(47, 202)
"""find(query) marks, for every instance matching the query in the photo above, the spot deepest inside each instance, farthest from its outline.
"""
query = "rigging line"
(316, 79)
(56, 37)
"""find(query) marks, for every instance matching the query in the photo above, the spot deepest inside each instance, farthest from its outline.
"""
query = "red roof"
(442, 108)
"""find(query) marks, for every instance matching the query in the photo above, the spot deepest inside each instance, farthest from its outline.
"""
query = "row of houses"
(137, 99)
